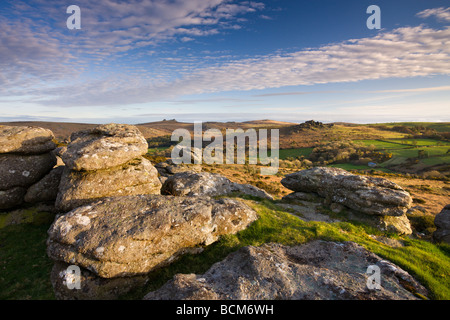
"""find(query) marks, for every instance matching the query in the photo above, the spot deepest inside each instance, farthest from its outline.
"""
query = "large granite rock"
(25, 140)
(376, 196)
(78, 188)
(318, 270)
(46, 189)
(24, 170)
(25, 158)
(168, 168)
(207, 184)
(442, 223)
(12, 197)
(92, 287)
(132, 235)
(104, 147)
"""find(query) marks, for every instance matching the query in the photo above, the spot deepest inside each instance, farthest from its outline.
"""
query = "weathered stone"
(92, 287)
(442, 223)
(398, 224)
(24, 170)
(25, 140)
(104, 147)
(132, 235)
(46, 189)
(162, 179)
(250, 190)
(207, 184)
(336, 207)
(12, 197)
(78, 188)
(318, 270)
(306, 211)
(303, 196)
(370, 195)
(167, 168)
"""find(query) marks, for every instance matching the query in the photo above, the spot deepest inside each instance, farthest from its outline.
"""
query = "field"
(437, 151)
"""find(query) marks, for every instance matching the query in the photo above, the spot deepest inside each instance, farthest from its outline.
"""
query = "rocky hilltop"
(103, 162)
(119, 218)
(377, 201)
(26, 157)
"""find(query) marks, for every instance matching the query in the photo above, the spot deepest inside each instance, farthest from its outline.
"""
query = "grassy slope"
(25, 267)
(402, 149)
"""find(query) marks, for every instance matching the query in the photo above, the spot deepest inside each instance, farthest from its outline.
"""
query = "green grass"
(437, 151)
(402, 149)
(24, 265)
(286, 153)
(414, 152)
(394, 161)
(26, 268)
(421, 142)
(436, 160)
(381, 144)
(156, 150)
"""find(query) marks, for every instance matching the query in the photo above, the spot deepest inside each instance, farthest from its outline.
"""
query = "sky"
(224, 60)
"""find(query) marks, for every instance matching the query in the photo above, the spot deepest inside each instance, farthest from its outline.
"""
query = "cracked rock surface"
(313, 271)
(132, 235)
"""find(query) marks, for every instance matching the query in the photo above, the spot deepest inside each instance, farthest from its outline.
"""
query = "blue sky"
(224, 60)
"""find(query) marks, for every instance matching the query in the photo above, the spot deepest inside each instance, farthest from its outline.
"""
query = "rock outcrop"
(25, 157)
(46, 189)
(104, 162)
(78, 188)
(207, 184)
(313, 271)
(24, 170)
(376, 201)
(104, 147)
(25, 140)
(365, 194)
(132, 235)
(92, 287)
(442, 223)
(169, 168)
(12, 197)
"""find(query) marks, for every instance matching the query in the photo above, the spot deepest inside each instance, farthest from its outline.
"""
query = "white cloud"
(186, 39)
(42, 57)
(417, 90)
(29, 57)
(401, 53)
(37, 50)
(117, 26)
(442, 14)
